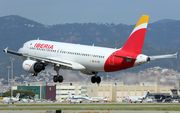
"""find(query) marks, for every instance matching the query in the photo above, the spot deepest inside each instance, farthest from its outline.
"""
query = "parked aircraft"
(37, 54)
(77, 99)
(11, 99)
(98, 99)
(137, 98)
(27, 100)
(149, 100)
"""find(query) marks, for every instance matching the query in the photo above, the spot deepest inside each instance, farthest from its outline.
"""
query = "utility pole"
(8, 73)
(12, 59)
(107, 77)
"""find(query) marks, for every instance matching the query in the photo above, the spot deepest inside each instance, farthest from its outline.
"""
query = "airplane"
(137, 98)
(149, 100)
(77, 99)
(9, 99)
(27, 100)
(90, 60)
(98, 99)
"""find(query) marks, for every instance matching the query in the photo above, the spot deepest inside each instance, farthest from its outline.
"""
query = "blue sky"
(50, 12)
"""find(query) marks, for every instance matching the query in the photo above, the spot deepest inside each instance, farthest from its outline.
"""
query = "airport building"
(41, 92)
(113, 91)
(63, 89)
(118, 91)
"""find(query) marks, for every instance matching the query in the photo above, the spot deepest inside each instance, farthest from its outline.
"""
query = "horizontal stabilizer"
(163, 56)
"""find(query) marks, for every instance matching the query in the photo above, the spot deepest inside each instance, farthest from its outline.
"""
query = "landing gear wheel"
(98, 79)
(35, 74)
(55, 78)
(60, 79)
(93, 79)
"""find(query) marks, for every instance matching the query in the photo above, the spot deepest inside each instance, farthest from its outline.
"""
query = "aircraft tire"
(60, 78)
(55, 78)
(93, 79)
(35, 74)
(98, 79)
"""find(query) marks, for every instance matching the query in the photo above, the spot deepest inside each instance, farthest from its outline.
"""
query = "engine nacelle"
(88, 72)
(32, 66)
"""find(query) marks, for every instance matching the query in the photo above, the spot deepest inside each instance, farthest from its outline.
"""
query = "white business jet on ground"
(98, 99)
(77, 99)
(10, 99)
(137, 98)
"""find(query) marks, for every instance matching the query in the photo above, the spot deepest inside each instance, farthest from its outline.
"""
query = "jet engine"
(32, 66)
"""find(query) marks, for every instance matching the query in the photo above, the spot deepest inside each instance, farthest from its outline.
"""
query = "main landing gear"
(34, 74)
(95, 79)
(57, 78)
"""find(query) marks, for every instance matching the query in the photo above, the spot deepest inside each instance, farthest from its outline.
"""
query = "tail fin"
(87, 95)
(127, 97)
(146, 95)
(136, 38)
(70, 95)
(17, 96)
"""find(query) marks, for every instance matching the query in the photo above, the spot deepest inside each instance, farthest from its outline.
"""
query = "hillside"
(15, 30)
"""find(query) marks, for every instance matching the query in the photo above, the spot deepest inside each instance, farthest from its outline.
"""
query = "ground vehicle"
(167, 100)
(175, 100)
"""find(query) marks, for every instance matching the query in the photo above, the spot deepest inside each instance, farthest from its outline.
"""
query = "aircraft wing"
(12, 52)
(50, 60)
(163, 56)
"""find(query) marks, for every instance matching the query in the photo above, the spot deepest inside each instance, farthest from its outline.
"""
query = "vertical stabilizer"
(69, 94)
(136, 38)
(17, 96)
(87, 95)
(146, 95)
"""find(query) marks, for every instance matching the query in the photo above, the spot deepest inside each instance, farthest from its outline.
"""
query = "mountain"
(165, 21)
(161, 37)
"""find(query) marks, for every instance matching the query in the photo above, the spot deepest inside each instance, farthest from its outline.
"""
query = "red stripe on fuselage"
(114, 63)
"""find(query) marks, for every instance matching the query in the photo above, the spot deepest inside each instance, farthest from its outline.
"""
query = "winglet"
(175, 55)
(5, 50)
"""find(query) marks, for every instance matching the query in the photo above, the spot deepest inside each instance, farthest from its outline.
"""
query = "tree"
(23, 93)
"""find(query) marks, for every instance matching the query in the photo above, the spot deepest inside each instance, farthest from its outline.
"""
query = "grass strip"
(99, 108)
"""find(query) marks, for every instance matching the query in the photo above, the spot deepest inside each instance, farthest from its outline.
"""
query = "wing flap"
(58, 61)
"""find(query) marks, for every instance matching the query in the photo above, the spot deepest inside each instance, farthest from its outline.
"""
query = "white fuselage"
(91, 57)
(88, 57)
(8, 100)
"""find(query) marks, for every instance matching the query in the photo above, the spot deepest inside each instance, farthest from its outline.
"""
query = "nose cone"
(141, 59)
